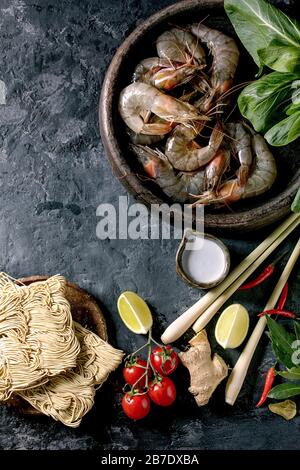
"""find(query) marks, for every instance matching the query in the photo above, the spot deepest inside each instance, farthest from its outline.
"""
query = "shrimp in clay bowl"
(173, 131)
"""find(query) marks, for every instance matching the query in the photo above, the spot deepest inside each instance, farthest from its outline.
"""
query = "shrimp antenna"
(138, 175)
(202, 21)
(248, 127)
(231, 112)
(143, 177)
(184, 28)
(234, 89)
(215, 110)
(222, 132)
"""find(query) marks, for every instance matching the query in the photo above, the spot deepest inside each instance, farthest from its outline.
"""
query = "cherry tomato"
(162, 391)
(134, 370)
(136, 406)
(164, 360)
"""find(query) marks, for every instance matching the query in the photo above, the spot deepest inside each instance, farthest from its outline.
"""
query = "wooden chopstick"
(205, 318)
(184, 321)
(238, 374)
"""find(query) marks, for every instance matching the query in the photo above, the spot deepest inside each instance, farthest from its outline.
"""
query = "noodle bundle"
(37, 338)
(70, 395)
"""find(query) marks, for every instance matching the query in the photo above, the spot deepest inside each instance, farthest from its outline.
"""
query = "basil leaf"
(296, 204)
(257, 23)
(291, 374)
(285, 131)
(281, 342)
(263, 101)
(280, 57)
(285, 390)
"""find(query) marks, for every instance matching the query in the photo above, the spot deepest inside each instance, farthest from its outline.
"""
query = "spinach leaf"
(280, 57)
(291, 374)
(257, 23)
(292, 108)
(281, 342)
(285, 131)
(285, 390)
(295, 104)
(263, 101)
(296, 204)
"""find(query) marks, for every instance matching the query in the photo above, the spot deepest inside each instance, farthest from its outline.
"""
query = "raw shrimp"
(178, 186)
(216, 168)
(242, 144)
(225, 60)
(260, 181)
(164, 74)
(185, 154)
(138, 99)
(149, 66)
(180, 46)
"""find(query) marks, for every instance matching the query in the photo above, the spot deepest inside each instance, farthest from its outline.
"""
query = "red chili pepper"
(270, 377)
(267, 272)
(277, 311)
(283, 297)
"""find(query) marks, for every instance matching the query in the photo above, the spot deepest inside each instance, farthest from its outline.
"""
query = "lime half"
(134, 312)
(232, 326)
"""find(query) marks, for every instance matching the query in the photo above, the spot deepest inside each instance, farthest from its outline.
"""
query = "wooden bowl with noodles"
(247, 215)
(85, 310)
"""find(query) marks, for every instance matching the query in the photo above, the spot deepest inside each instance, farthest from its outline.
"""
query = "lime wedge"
(134, 312)
(232, 326)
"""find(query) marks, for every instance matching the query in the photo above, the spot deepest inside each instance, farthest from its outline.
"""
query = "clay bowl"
(85, 311)
(247, 216)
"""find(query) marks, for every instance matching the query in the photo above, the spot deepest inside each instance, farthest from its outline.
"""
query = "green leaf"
(285, 131)
(291, 374)
(296, 203)
(292, 109)
(280, 57)
(264, 101)
(296, 345)
(282, 342)
(294, 106)
(285, 390)
(257, 23)
(297, 330)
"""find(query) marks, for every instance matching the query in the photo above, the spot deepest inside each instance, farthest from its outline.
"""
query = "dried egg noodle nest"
(37, 339)
(69, 396)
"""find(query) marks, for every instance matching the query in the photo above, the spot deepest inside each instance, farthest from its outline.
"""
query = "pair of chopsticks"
(203, 310)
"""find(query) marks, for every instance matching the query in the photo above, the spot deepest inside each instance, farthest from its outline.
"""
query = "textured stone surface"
(54, 174)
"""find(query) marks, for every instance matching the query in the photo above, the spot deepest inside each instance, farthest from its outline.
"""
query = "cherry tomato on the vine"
(162, 391)
(134, 371)
(136, 406)
(164, 360)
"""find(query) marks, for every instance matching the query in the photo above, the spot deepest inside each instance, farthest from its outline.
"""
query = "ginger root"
(206, 373)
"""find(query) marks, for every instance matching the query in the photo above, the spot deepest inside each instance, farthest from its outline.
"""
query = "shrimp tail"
(149, 159)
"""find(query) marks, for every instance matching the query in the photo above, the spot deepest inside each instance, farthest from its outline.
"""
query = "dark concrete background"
(53, 175)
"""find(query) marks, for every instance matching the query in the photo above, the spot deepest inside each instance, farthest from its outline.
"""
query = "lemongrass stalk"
(239, 372)
(184, 321)
(205, 318)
